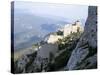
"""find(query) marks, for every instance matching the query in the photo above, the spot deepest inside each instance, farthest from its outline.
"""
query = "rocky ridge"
(76, 51)
(85, 53)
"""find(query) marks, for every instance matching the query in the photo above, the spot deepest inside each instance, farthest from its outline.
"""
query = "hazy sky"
(71, 12)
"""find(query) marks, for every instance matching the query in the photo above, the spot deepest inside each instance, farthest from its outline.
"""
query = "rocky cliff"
(84, 56)
(75, 52)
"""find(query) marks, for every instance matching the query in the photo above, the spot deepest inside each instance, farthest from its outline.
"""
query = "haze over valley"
(31, 24)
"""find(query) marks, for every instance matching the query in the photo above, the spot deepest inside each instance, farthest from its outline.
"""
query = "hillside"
(74, 51)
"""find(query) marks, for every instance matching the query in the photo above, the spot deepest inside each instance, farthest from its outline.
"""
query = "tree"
(59, 33)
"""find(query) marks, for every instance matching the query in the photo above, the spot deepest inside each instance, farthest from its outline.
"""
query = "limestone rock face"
(21, 63)
(54, 38)
(43, 55)
(85, 53)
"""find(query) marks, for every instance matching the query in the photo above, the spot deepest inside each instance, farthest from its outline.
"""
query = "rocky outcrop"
(23, 64)
(78, 50)
(84, 56)
(43, 56)
(73, 28)
(65, 31)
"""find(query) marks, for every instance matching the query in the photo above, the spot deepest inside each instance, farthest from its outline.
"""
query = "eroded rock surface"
(86, 48)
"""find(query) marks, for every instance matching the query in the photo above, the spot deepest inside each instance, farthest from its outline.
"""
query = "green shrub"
(59, 33)
(62, 59)
(69, 40)
(31, 57)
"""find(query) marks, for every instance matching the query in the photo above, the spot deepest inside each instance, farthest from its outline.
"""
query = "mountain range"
(30, 28)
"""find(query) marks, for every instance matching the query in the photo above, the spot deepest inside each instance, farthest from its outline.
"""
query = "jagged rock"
(89, 63)
(21, 64)
(87, 45)
(76, 57)
(43, 55)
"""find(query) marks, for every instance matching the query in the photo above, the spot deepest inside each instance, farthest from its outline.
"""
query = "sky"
(70, 12)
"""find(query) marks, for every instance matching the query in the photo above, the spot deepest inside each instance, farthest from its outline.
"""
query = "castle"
(67, 30)
(70, 28)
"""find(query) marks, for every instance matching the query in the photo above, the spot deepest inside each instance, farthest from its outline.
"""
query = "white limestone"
(53, 38)
(70, 28)
(67, 30)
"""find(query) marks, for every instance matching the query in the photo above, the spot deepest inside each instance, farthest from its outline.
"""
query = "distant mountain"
(27, 21)
(32, 27)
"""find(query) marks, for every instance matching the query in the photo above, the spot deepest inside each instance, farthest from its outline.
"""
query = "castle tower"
(78, 23)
